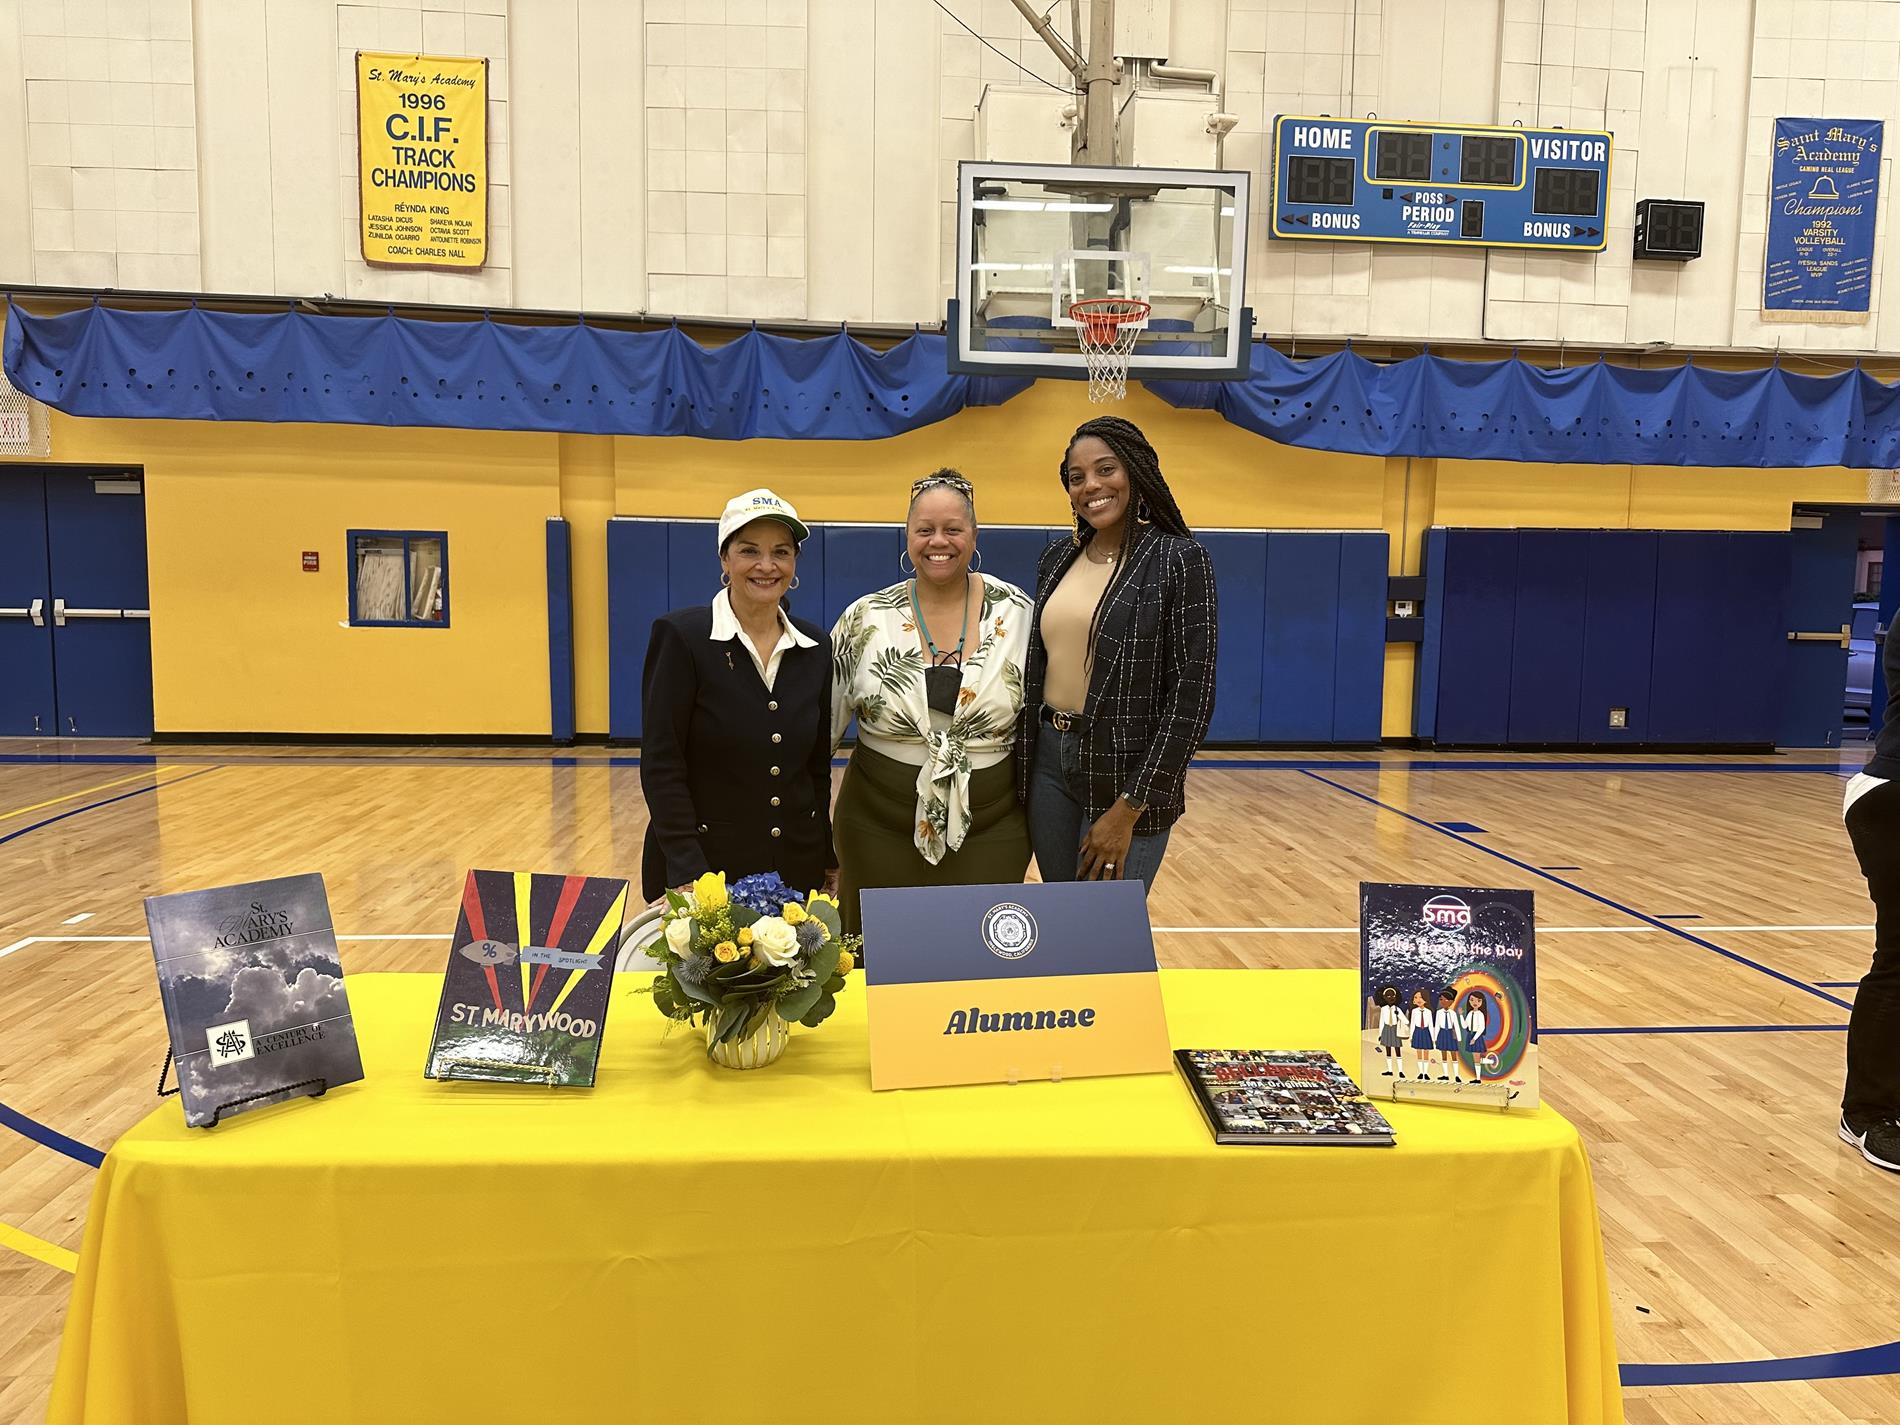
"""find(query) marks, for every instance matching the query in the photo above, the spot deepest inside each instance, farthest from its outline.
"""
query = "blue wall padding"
(560, 633)
(1480, 614)
(1691, 569)
(1619, 625)
(1301, 660)
(1302, 629)
(1749, 683)
(1240, 576)
(1547, 636)
(1533, 636)
(1359, 669)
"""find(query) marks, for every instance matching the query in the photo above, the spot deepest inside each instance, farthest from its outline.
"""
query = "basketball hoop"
(1107, 328)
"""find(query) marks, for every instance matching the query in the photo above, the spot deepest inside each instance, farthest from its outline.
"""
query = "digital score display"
(1371, 180)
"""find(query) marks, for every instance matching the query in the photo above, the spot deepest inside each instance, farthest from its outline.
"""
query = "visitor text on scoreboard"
(1373, 180)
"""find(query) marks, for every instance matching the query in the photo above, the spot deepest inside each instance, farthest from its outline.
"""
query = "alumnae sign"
(989, 984)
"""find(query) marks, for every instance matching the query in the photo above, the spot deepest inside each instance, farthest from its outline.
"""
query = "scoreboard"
(1373, 180)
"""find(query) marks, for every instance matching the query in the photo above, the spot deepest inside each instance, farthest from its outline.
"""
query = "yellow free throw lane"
(87, 791)
(989, 1031)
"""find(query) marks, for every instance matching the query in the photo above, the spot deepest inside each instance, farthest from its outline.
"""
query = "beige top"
(1065, 632)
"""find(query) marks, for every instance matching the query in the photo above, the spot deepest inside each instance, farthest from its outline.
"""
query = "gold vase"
(755, 1050)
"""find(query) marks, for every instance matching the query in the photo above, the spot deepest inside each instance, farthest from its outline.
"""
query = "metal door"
(26, 595)
(101, 622)
(1820, 622)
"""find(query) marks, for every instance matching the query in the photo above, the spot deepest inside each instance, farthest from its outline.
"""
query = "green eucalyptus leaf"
(819, 1012)
(826, 915)
(795, 1005)
(824, 961)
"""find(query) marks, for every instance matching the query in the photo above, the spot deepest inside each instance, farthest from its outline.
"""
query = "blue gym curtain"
(196, 364)
(1590, 414)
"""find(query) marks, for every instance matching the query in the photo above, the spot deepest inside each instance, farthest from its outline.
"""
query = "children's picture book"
(530, 969)
(1448, 985)
(253, 994)
(1280, 1096)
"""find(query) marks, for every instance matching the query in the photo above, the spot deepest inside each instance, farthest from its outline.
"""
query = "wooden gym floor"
(1701, 924)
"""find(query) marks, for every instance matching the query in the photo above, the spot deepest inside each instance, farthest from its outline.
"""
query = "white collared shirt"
(725, 626)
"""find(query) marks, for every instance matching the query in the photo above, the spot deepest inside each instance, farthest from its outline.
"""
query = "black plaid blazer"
(1151, 687)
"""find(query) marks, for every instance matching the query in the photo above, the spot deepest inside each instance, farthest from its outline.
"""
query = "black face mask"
(942, 683)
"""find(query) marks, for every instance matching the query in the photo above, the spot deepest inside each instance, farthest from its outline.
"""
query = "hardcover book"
(1448, 980)
(253, 993)
(1280, 1096)
(530, 969)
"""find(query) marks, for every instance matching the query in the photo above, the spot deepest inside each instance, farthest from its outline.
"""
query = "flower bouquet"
(746, 961)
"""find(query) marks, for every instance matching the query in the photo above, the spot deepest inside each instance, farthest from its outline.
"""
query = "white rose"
(679, 936)
(773, 941)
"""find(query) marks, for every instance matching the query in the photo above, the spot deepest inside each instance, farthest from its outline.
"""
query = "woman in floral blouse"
(932, 668)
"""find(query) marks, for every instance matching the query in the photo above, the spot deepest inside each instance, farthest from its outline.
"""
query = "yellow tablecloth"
(688, 1243)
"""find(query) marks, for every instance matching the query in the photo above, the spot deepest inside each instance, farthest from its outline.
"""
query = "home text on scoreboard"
(1374, 180)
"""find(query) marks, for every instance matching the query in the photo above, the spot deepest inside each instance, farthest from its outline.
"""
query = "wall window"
(399, 578)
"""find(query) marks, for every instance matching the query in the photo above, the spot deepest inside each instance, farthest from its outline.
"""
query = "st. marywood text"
(973, 1021)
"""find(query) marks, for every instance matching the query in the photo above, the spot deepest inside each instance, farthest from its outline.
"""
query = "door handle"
(38, 613)
(15, 613)
(1844, 636)
(59, 613)
(65, 613)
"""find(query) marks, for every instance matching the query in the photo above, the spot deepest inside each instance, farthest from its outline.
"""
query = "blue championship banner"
(1823, 198)
(992, 984)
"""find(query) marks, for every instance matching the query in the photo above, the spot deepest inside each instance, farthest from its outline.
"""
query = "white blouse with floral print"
(878, 663)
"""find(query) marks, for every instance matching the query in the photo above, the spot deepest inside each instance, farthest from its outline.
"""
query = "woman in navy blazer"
(1118, 686)
(735, 751)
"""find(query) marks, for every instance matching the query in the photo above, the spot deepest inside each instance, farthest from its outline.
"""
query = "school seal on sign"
(1009, 930)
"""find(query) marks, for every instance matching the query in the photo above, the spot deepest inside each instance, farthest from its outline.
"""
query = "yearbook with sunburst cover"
(531, 965)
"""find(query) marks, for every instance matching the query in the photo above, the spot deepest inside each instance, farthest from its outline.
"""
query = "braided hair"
(1146, 484)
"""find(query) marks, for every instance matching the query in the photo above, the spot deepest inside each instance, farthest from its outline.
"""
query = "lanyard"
(924, 628)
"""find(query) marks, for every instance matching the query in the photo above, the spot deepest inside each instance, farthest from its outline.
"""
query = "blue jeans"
(1057, 823)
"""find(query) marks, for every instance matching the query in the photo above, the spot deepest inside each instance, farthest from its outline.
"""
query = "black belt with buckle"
(1061, 721)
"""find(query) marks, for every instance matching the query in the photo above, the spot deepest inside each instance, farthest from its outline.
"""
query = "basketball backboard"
(1034, 239)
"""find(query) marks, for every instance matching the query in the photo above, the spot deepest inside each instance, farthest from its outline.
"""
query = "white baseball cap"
(741, 510)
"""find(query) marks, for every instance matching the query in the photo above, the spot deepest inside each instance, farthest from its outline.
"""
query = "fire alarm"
(1669, 228)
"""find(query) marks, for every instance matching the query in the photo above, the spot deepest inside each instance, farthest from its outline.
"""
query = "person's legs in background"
(1870, 1104)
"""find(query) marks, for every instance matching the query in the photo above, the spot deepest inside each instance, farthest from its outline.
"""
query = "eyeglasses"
(955, 482)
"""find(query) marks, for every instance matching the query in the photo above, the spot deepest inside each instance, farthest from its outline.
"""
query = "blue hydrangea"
(764, 893)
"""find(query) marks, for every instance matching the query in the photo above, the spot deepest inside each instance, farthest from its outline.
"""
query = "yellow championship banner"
(422, 160)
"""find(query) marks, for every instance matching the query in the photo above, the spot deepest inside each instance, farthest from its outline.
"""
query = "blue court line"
(94, 806)
(1602, 900)
(50, 1137)
(1830, 1365)
(1678, 917)
(1560, 868)
(1838, 984)
(1691, 1029)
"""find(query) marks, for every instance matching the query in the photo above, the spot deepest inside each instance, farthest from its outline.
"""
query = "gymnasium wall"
(244, 640)
(793, 159)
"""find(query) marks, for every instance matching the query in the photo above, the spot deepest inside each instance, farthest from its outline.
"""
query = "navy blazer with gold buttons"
(737, 777)
(1151, 678)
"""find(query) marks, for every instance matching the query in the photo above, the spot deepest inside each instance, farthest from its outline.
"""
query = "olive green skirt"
(876, 817)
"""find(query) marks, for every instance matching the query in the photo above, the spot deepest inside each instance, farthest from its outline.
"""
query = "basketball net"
(1107, 328)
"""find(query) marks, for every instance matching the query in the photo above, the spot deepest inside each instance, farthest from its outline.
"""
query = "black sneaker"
(1878, 1141)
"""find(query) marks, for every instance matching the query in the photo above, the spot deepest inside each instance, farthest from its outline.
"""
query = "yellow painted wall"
(245, 641)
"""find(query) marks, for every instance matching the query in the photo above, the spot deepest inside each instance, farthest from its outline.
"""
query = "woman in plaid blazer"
(1118, 685)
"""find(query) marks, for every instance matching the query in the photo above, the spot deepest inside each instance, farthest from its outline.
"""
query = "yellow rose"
(845, 962)
(725, 952)
(794, 913)
(709, 891)
(745, 936)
